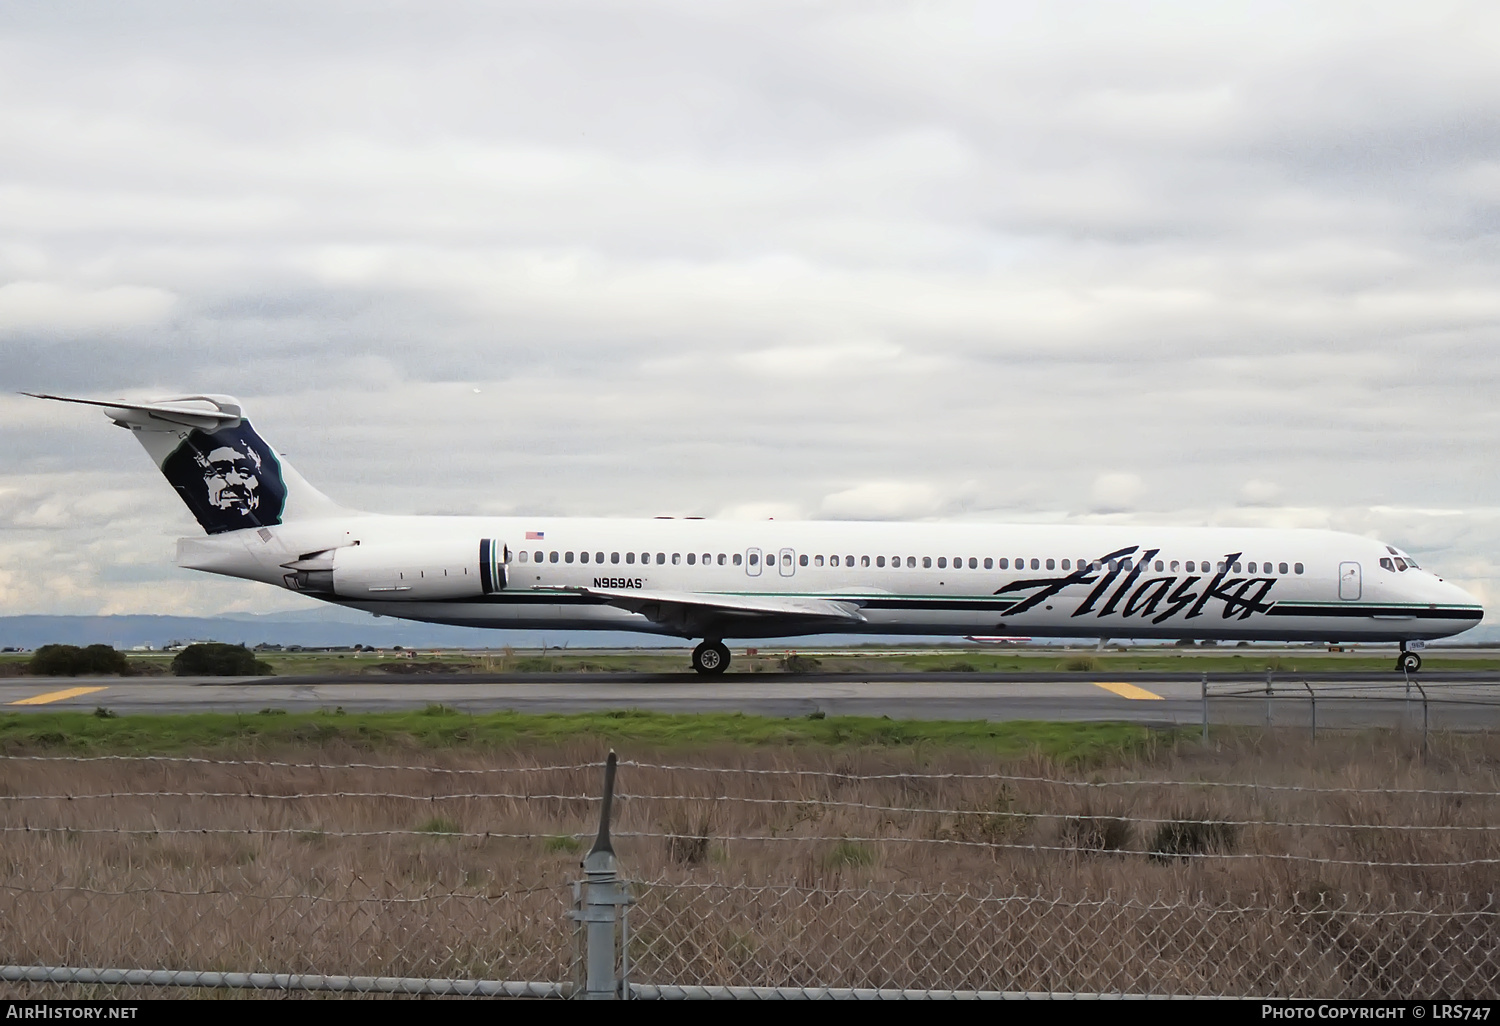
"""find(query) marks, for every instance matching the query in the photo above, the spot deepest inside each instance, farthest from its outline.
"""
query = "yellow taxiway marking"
(1126, 690)
(57, 696)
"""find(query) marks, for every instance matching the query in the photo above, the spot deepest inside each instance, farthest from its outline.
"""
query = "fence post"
(1423, 692)
(601, 905)
(1205, 708)
(1313, 698)
(1270, 694)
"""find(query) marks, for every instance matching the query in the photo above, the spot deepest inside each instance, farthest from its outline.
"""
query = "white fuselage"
(901, 578)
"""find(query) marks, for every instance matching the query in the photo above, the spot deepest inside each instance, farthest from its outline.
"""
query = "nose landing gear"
(1408, 662)
(711, 657)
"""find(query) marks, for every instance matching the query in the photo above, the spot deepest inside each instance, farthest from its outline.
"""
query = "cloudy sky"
(1151, 262)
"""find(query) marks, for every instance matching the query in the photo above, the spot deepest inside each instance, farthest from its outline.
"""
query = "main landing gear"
(1408, 662)
(711, 657)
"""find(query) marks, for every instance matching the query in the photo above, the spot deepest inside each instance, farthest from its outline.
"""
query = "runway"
(1453, 701)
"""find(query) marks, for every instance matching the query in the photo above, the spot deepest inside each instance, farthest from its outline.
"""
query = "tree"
(216, 660)
(70, 661)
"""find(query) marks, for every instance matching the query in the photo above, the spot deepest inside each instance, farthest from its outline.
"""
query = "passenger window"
(568, 557)
(926, 562)
(1066, 565)
(1051, 564)
(958, 562)
(911, 562)
(552, 558)
(721, 559)
(1004, 563)
(801, 560)
(864, 561)
(989, 564)
(817, 561)
(536, 557)
(1221, 567)
(614, 557)
(692, 558)
(645, 558)
(880, 561)
(1127, 563)
(1191, 567)
(736, 559)
(973, 563)
(676, 558)
(1236, 568)
(598, 557)
(583, 557)
(942, 562)
(755, 559)
(1297, 567)
(1160, 566)
(661, 557)
(630, 557)
(522, 556)
(1281, 568)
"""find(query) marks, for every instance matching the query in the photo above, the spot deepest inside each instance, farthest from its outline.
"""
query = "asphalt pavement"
(1462, 700)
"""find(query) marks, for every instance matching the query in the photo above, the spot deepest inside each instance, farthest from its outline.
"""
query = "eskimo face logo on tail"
(230, 479)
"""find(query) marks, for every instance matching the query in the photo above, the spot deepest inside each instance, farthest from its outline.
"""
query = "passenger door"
(1349, 581)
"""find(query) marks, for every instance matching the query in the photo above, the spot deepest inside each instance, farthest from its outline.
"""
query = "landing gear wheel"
(1409, 662)
(711, 657)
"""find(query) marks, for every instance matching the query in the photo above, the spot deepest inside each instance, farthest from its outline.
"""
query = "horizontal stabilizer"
(206, 413)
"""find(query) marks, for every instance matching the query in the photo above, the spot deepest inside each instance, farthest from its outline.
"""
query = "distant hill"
(334, 625)
(313, 628)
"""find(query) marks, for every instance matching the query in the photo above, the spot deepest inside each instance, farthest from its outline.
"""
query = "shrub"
(800, 664)
(1183, 837)
(216, 660)
(70, 661)
(1083, 664)
(1095, 833)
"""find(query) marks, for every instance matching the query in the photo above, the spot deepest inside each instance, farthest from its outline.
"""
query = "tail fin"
(225, 472)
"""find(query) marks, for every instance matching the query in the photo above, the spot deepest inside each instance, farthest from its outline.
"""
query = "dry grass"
(858, 896)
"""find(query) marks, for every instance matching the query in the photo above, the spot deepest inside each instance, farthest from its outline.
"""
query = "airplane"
(714, 580)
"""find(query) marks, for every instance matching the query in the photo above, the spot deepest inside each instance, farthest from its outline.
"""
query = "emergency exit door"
(1349, 581)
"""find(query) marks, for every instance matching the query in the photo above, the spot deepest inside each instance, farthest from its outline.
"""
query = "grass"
(438, 727)
(827, 862)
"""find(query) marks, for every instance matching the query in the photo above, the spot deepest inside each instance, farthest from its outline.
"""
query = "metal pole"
(1423, 692)
(1313, 698)
(1270, 694)
(1205, 708)
(600, 907)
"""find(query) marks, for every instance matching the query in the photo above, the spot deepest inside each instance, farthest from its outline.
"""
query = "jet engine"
(403, 571)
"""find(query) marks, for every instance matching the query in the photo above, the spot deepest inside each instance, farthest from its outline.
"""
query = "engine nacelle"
(404, 571)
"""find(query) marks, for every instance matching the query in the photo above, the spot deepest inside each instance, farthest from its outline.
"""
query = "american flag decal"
(535, 535)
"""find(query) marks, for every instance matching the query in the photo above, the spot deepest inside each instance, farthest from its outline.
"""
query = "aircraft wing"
(697, 614)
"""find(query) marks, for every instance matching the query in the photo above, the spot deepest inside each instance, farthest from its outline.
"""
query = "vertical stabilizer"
(224, 471)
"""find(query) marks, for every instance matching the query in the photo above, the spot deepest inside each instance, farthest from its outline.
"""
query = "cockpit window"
(1386, 564)
(1400, 563)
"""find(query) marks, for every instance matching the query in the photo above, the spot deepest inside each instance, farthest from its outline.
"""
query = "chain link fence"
(147, 877)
